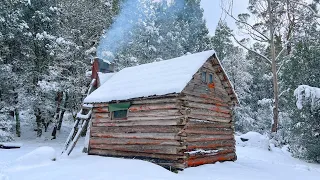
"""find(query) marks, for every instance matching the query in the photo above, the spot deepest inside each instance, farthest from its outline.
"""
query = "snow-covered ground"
(34, 161)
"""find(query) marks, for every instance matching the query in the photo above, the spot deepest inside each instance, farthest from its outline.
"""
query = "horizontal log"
(138, 129)
(215, 132)
(209, 118)
(100, 109)
(206, 137)
(204, 100)
(142, 148)
(127, 141)
(218, 152)
(203, 95)
(135, 155)
(155, 101)
(156, 113)
(135, 108)
(98, 115)
(156, 136)
(206, 112)
(199, 124)
(111, 123)
(209, 107)
(210, 145)
(101, 105)
(154, 118)
(212, 159)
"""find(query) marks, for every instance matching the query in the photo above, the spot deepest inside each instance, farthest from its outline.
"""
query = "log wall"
(152, 131)
(209, 130)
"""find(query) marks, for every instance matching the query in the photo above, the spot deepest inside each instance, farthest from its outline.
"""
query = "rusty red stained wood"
(124, 141)
(100, 105)
(197, 138)
(214, 98)
(213, 159)
(210, 146)
(135, 108)
(101, 109)
(135, 154)
(225, 132)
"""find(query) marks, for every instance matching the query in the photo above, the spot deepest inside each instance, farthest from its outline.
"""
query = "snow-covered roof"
(157, 78)
(104, 77)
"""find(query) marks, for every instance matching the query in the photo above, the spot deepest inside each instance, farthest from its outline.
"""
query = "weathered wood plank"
(100, 115)
(139, 155)
(206, 112)
(156, 136)
(100, 109)
(139, 129)
(206, 137)
(209, 107)
(127, 141)
(111, 123)
(210, 118)
(219, 151)
(148, 107)
(204, 100)
(155, 101)
(213, 144)
(212, 159)
(215, 132)
(156, 113)
(141, 148)
(192, 123)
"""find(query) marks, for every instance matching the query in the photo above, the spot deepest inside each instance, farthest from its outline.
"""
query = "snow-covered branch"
(307, 95)
(315, 14)
(261, 55)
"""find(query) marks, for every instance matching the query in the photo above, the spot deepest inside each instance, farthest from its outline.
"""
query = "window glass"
(204, 76)
(210, 78)
(120, 114)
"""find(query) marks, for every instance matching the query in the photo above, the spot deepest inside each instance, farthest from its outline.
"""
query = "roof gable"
(158, 78)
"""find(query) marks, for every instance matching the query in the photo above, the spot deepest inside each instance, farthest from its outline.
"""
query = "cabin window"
(210, 78)
(122, 114)
(119, 110)
(204, 76)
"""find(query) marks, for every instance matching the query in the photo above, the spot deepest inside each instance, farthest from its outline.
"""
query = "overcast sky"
(212, 12)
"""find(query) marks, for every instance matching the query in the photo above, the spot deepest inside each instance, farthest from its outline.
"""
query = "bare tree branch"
(247, 24)
(259, 54)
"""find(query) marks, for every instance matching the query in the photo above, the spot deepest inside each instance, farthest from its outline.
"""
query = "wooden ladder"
(83, 120)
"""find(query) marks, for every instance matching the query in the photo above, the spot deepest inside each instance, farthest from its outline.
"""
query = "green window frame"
(119, 110)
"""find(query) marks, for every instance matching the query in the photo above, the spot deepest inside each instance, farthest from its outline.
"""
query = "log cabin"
(176, 113)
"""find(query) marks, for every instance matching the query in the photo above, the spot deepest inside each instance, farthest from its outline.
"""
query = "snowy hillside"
(254, 162)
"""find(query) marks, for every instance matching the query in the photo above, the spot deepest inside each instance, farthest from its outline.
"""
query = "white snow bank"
(37, 157)
(158, 78)
(253, 139)
(307, 94)
(252, 164)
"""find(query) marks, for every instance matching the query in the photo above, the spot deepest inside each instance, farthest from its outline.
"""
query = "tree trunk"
(62, 111)
(17, 119)
(38, 121)
(274, 72)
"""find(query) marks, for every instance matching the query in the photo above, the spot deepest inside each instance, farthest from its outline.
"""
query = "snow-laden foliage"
(307, 95)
